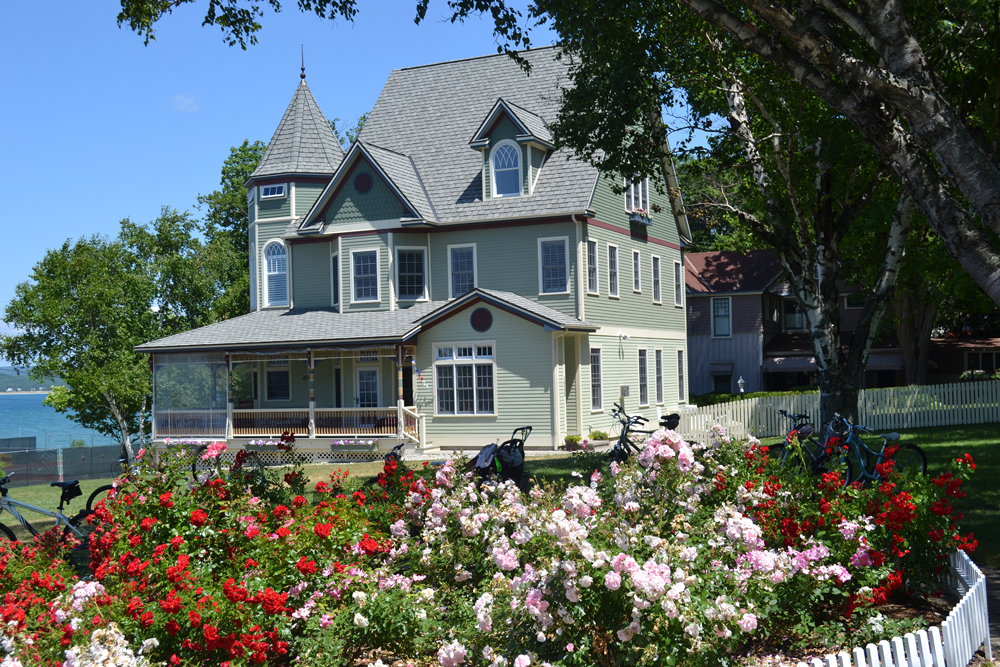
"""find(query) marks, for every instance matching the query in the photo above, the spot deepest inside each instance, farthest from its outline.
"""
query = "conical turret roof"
(303, 142)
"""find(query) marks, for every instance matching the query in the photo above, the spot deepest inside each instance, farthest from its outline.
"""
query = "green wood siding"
(523, 381)
(379, 203)
(537, 159)
(299, 383)
(306, 195)
(378, 242)
(278, 207)
(251, 210)
(506, 259)
(311, 275)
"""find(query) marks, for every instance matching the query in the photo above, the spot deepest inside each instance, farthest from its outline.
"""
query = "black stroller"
(504, 461)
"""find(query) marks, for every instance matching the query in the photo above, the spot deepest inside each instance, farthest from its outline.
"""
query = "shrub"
(598, 435)
(77, 443)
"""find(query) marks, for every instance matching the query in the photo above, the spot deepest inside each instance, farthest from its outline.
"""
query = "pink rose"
(748, 623)
(522, 661)
(613, 581)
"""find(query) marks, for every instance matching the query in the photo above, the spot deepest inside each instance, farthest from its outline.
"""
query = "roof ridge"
(462, 60)
(383, 148)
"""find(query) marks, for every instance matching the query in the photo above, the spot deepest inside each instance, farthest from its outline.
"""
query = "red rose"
(323, 529)
(165, 500)
(199, 518)
(195, 618)
(147, 619)
(283, 532)
(281, 511)
(177, 542)
(147, 524)
(306, 566)
(299, 501)
(172, 603)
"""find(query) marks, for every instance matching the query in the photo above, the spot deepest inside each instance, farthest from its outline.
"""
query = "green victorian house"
(450, 278)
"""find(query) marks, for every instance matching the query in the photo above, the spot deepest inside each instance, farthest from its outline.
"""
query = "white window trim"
(520, 169)
(378, 275)
(645, 188)
(278, 369)
(678, 292)
(682, 372)
(250, 195)
(638, 383)
(597, 264)
(265, 281)
(283, 195)
(653, 261)
(435, 362)
(659, 386)
(336, 273)
(711, 314)
(541, 286)
(636, 272)
(423, 249)
(618, 283)
(367, 366)
(475, 266)
(253, 274)
(601, 348)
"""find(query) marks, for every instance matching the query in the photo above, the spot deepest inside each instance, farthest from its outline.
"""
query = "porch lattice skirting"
(952, 645)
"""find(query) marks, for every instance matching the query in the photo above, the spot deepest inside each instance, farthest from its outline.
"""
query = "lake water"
(25, 415)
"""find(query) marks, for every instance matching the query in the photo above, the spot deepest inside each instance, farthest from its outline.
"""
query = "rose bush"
(682, 555)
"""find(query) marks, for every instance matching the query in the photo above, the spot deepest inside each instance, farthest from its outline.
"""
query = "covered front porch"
(363, 392)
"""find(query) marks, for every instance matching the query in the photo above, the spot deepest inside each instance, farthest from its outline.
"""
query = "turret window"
(276, 266)
(269, 191)
(506, 160)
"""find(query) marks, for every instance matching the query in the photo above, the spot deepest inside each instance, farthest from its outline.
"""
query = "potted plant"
(639, 216)
(354, 445)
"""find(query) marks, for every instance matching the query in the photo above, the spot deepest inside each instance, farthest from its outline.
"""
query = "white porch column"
(229, 397)
(400, 358)
(312, 393)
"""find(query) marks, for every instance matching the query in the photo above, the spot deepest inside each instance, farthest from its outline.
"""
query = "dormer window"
(506, 162)
(270, 191)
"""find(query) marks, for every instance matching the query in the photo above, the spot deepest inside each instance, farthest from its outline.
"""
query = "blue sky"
(96, 127)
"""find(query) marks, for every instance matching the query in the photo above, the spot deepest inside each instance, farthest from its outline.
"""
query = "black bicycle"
(905, 458)
(624, 446)
(801, 448)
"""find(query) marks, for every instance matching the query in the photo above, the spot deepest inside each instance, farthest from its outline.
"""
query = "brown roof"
(965, 343)
(792, 343)
(728, 271)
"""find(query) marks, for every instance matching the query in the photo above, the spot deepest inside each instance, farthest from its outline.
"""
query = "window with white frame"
(637, 196)
(596, 390)
(657, 289)
(658, 356)
(678, 284)
(592, 284)
(643, 378)
(462, 267)
(335, 273)
(271, 191)
(364, 275)
(253, 277)
(250, 192)
(636, 272)
(612, 270)
(505, 158)
(721, 318)
(681, 387)
(464, 375)
(553, 273)
(795, 319)
(986, 361)
(411, 266)
(276, 265)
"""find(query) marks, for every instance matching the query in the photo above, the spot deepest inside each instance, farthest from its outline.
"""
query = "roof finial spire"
(303, 75)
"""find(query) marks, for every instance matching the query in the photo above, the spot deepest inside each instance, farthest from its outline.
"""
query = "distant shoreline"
(21, 393)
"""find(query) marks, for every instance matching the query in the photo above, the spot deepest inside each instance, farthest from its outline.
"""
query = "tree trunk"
(914, 323)
(122, 425)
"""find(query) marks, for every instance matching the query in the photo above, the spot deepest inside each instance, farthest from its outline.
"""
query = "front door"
(367, 388)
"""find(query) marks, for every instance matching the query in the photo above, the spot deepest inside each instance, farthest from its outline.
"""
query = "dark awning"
(721, 369)
(789, 364)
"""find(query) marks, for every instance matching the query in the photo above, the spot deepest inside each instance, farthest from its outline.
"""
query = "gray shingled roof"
(303, 142)
(429, 112)
(535, 123)
(325, 326)
(403, 172)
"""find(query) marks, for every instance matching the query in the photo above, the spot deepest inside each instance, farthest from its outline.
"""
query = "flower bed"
(683, 555)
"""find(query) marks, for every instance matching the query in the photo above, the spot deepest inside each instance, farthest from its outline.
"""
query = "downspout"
(556, 421)
(580, 268)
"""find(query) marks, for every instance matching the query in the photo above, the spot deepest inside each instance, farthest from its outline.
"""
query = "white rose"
(360, 621)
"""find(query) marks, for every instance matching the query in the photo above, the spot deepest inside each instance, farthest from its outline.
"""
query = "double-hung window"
(335, 272)
(659, 375)
(637, 196)
(276, 263)
(643, 379)
(721, 320)
(681, 387)
(596, 389)
(462, 267)
(657, 290)
(612, 270)
(592, 285)
(636, 272)
(279, 385)
(553, 272)
(678, 284)
(364, 274)
(410, 271)
(795, 319)
(465, 375)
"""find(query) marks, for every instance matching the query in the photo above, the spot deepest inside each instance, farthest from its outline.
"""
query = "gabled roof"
(303, 142)
(550, 318)
(531, 126)
(728, 271)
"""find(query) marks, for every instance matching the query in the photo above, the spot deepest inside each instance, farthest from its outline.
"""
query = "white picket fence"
(952, 645)
(880, 409)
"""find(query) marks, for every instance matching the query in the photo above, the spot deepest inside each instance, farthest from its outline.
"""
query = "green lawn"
(46, 497)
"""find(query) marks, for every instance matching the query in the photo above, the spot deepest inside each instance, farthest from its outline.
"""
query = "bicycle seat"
(891, 437)
(65, 485)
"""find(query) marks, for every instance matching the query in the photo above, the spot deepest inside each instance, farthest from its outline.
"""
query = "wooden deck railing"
(356, 421)
(271, 422)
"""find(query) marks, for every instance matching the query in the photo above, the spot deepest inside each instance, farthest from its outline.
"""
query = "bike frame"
(857, 445)
(11, 506)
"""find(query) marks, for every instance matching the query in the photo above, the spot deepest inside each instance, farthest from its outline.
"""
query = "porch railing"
(357, 421)
(271, 422)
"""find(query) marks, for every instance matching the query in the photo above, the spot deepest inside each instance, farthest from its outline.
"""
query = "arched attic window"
(506, 163)
(276, 263)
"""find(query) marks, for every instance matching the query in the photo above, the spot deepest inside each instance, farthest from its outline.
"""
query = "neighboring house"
(451, 240)
(743, 322)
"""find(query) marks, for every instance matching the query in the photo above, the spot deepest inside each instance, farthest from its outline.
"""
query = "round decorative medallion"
(481, 319)
(363, 182)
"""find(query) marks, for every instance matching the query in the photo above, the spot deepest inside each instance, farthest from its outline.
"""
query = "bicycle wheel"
(98, 496)
(8, 533)
(251, 468)
(203, 471)
(910, 459)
